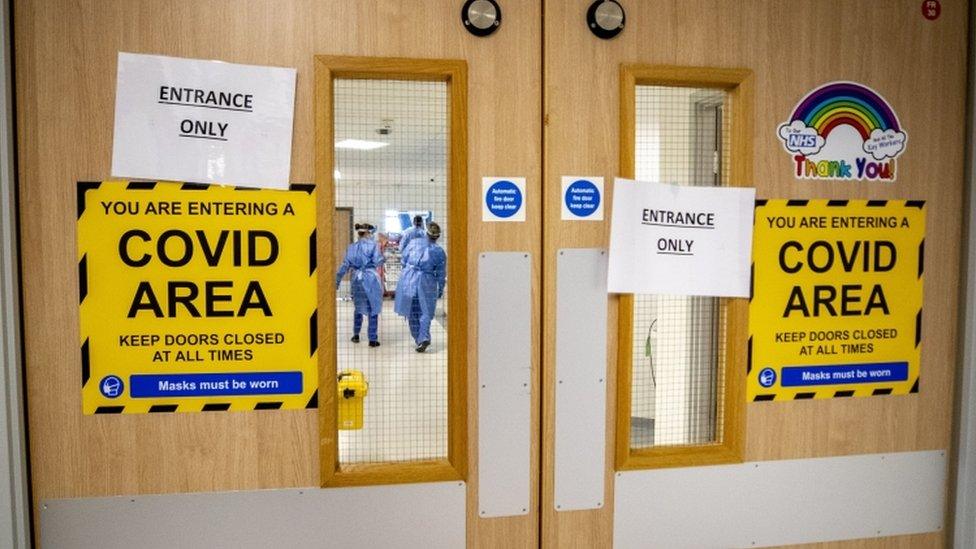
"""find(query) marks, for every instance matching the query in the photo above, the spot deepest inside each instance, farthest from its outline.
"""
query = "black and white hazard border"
(834, 393)
(83, 284)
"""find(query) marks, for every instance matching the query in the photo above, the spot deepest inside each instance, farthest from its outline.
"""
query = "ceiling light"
(360, 145)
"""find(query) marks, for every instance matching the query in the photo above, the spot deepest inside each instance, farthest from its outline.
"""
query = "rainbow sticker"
(844, 131)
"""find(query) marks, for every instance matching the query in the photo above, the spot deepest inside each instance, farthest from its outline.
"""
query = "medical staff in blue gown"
(362, 259)
(413, 233)
(421, 284)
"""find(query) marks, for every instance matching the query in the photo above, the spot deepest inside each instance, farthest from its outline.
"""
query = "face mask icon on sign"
(111, 386)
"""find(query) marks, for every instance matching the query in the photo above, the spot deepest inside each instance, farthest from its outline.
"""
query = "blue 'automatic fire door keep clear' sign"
(504, 199)
(582, 198)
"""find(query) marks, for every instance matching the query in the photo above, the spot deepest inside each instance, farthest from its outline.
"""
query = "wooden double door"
(543, 101)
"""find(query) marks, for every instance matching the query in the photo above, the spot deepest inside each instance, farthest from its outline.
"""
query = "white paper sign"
(582, 198)
(203, 121)
(678, 240)
(503, 199)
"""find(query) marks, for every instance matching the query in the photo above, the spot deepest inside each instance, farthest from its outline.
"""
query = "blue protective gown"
(362, 258)
(411, 234)
(421, 283)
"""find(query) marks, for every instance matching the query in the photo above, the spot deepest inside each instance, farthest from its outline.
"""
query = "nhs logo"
(796, 141)
(799, 138)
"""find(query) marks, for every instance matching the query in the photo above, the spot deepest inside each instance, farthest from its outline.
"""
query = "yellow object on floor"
(352, 389)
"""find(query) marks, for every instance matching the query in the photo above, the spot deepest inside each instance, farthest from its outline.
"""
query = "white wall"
(370, 198)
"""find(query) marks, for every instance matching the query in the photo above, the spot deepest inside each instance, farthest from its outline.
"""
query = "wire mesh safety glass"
(678, 354)
(391, 166)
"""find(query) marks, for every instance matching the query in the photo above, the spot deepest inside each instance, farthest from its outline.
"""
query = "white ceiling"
(417, 115)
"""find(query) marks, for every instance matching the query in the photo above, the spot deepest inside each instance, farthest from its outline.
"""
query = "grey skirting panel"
(767, 503)
(423, 516)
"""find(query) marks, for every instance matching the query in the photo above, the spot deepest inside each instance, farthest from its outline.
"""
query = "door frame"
(454, 72)
(963, 508)
(14, 503)
(739, 85)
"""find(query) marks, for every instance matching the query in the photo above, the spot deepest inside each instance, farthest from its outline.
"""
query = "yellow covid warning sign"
(196, 298)
(836, 307)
